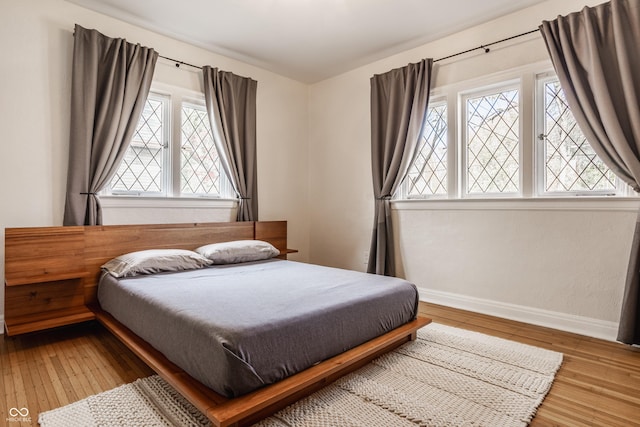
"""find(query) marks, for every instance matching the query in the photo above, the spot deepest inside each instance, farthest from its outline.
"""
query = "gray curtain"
(399, 100)
(231, 107)
(109, 87)
(596, 56)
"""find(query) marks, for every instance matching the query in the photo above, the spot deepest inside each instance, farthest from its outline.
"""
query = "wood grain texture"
(48, 298)
(51, 273)
(266, 401)
(39, 252)
(50, 369)
(247, 409)
(274, 232)
(597, 384)
(103, 243)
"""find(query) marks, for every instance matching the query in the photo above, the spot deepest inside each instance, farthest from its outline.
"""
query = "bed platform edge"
(252, 407)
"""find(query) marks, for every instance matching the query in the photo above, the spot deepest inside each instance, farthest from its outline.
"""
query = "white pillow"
(155, 261)
(238, 251)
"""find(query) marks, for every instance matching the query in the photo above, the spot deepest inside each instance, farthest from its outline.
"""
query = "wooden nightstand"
(44, 278)
(46, 301)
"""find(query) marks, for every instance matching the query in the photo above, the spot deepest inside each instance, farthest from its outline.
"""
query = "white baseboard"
(551, 319)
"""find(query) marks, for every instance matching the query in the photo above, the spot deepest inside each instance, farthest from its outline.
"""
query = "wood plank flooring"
(597, 385)
(46, 370)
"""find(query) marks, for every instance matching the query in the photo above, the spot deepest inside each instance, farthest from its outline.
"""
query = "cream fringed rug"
(447, 377)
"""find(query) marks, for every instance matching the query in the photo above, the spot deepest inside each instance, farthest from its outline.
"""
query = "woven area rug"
(447, 377)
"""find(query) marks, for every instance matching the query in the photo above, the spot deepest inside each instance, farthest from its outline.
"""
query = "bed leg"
(413, 336)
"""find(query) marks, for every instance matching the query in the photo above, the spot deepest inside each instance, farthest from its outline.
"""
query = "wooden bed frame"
(42, 264)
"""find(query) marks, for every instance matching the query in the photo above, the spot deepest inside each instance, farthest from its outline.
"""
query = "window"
(142, 168)
(172, 152)
(570, 164)
(200, 164)
(508, 135)
(492, 141)
(428, 173)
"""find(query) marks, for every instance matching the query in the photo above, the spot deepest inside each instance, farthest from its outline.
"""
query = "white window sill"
(540, 203)
(166, 202)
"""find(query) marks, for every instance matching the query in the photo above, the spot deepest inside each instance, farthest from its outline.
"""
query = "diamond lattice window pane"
(141, 170)
(571, 165)
(493, 143)
(200, 164)
(427, 175)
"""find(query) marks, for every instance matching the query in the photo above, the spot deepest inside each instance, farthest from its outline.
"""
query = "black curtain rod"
(178, 63)
(485, 47)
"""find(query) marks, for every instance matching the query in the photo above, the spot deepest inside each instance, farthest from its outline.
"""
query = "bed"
(238, 327)
(277, 382)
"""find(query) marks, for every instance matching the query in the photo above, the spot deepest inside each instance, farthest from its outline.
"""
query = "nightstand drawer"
(43, 297)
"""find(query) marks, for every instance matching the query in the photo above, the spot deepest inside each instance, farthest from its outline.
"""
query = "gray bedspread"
(238, 327)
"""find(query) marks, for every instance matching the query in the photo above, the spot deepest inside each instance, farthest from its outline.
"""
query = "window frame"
(225, 189)
(171, 181)
(541, 79)
(434, 101)
(166, 151)
(463, 97)
(529, 148)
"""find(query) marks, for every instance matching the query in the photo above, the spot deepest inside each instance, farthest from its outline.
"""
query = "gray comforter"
(238, 327)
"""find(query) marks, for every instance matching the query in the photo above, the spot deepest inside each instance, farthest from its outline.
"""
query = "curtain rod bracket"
(178, 62)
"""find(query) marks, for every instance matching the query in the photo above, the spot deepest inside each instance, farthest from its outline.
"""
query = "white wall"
(35, 72)
(556, 263)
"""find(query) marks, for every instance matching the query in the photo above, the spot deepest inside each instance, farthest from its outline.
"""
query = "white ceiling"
(307, 40)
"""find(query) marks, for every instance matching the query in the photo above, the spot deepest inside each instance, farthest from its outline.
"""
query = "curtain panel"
(399, 100)
(595, 54)
(110, 82)
(231, 107)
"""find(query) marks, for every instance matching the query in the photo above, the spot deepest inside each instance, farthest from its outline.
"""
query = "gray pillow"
(155, 261)
(238, 251)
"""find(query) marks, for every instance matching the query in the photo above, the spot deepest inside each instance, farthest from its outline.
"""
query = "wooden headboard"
(59, 256)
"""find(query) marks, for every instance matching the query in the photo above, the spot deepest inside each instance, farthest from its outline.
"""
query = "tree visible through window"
(571, 165)
(200, 164)
(142, 168)
(427, 175)
(510, 135)
(171, 156)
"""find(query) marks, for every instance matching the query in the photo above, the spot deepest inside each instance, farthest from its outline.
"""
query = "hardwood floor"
(46, 370)
(597, 385)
